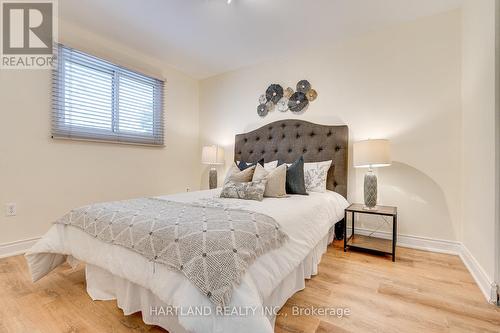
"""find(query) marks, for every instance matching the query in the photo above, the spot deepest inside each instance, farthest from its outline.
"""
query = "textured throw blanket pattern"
(211, 246)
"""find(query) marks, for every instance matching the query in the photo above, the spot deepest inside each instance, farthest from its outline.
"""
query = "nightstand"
(370, 243)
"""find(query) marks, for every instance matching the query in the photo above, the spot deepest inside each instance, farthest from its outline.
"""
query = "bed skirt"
(103, 285)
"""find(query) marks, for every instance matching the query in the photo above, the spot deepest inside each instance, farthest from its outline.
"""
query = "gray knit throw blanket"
(211, 246)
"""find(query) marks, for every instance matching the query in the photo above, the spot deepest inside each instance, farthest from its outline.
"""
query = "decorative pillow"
(234, 174)
(315, 176)
(244, 165)
(295, 183)
(276, 180)
(269, 166)
(247, 191)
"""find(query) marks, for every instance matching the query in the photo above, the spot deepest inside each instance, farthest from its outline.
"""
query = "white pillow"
(315, 175)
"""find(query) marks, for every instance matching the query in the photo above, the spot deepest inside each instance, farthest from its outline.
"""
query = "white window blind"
(94, 99)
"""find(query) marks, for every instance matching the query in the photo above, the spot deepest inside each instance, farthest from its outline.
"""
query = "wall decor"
(262, 110)
(283, 104)
(298, 102)
(286, 99)
(262, 99)
(288, 92)
(311, 95)
(270, 106)
(303, 86)
(274, 93)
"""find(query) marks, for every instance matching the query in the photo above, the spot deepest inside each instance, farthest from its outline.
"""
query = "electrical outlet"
(188, 189)
(10, 209)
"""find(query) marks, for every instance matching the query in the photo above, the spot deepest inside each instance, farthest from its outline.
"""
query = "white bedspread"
(305, 219)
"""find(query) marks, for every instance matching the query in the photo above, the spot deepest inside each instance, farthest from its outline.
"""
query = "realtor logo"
(29, 31)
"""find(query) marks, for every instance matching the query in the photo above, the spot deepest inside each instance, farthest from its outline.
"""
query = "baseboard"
(482, 280)
(442, 246)
(17, 247)
(417, 242)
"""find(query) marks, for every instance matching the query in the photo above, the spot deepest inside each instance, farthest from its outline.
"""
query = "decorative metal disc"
(274, 93)
(298, 102)
(262, 110)
(303, 86)
(282, 104)
(262, 99)
(288, 92)
(311, 95)
(270, 106)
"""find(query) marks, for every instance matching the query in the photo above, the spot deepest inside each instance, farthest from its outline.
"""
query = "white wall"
(401, 83)
(478, 103)
(47, 177)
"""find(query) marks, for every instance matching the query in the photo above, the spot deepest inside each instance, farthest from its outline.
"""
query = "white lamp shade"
(212, 155)
(372, 154)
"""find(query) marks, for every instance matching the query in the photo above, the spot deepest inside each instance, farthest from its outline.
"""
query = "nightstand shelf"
(370, 243)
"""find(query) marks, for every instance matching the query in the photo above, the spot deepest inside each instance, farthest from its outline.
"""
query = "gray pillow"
(247, 191)
(276, 180)
(236, 175)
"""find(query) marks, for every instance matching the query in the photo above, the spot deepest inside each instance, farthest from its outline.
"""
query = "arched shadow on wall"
(422, 207)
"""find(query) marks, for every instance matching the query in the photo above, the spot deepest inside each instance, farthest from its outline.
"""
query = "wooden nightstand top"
(379, 210)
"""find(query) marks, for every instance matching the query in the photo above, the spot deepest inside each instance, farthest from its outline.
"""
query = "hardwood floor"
(420, 292)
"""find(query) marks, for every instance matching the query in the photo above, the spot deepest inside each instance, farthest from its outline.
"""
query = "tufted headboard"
(288, 139)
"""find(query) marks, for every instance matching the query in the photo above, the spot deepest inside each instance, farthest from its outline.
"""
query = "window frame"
(61, 129)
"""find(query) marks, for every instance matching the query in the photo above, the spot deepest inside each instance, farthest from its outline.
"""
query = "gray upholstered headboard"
(287, 140)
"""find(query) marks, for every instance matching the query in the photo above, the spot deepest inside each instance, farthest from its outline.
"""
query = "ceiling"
(207, 37)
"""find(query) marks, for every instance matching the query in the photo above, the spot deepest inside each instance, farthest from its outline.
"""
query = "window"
(94, 99)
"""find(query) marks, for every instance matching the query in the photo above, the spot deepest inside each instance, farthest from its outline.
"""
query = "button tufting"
(239, 153)
(270, 137)
(304, 150)
(257, 139)
(297, 136)
(276, 150)
(263, 152)
(297, 125)
(270, 127)
(312, 134)
(251, 151)
(289, 150)
(283, 125)
(245, 139)
(337, 148)
(320, 149)
(329, 133)
(283, 136)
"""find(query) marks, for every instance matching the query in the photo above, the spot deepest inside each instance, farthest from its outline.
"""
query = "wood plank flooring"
(420, 292)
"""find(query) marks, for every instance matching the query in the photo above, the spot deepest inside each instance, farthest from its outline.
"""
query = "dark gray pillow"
(244, 165)
(295, 183)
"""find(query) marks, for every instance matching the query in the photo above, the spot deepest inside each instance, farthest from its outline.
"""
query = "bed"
(170, 300)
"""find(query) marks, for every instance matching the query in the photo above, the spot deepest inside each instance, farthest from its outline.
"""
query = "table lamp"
(371, 154)
(212, 155)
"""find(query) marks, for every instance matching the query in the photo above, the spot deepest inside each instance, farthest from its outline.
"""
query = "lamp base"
(370, 188)
(212, 178)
